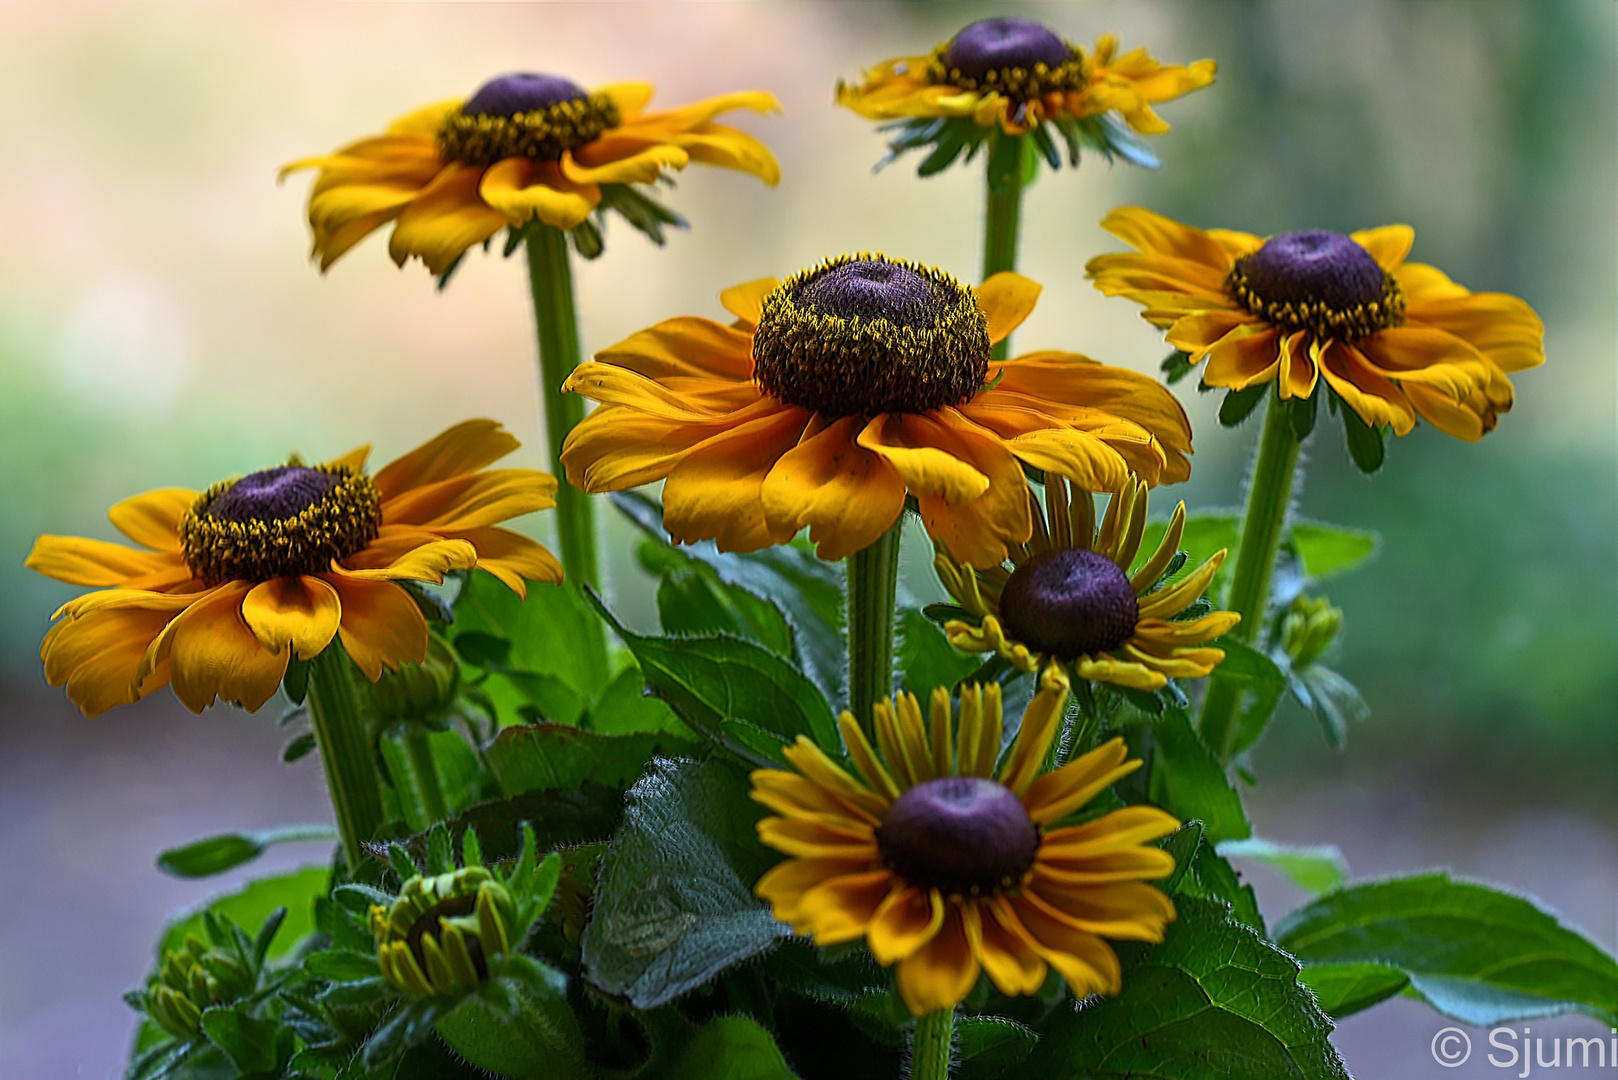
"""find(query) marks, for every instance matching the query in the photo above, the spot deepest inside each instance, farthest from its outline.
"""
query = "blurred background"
(160, 325)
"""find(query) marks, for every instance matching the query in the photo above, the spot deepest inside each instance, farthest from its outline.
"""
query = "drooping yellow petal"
(96, 657)
(1007, 299)
(429, 562)
(213, 653)
(846, 494)
(381, 624)
(520, 189)
(715, 492)
(1155, 233)
(300, 611)
(472, 501)
(1013, 967)
(97, 563)
(905, 921)
(512, 557)
(941, 973)
(445, 219)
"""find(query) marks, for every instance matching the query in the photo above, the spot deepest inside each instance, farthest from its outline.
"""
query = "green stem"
(345, 750)
(428, 789)
(873, 576)
(1269, 491)
(550, 276)
(933, 1047)
(1002, 213)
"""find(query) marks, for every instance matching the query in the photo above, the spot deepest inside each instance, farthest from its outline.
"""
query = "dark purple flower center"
(871, 289)
(963, 835)
(1068, 603)
(1003, 43)
(862, 335)
(279, 522)
(272, 494)
(521, 92)
(1318, 281)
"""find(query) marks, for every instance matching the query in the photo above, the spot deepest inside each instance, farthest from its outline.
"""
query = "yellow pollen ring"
(334, 526)
(539, 135)
(1017, 83)
(1323, 320)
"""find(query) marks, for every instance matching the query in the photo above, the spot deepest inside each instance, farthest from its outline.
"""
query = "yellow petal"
(746, 301)
(213, 653)
(1388, 245)
(905, 921)
(845, 494)
(153, 519)
(445, 219)
(519, 189)
(79, 561)
(429, 562)
(941, 973)
(1007, 299)
(640, 168)
(464, 448)
(300, 611)
(381, 624)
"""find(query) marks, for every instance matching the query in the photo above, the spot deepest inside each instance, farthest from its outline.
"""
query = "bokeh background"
(160, 325)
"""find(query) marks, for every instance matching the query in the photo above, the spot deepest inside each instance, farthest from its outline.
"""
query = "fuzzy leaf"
(1319, 868)
(215, 855)
(1477, 955)
(1190, 783)
(1344, 989)
(539, 757)
(1213, 1000)
(926, 657)
(1325, 550)
(675, 904)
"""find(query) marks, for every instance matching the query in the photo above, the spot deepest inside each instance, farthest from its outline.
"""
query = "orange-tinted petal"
(153, 519)
(212, 652)
(444, 220)
(784, 884)
(716, 490)
(381, 624)
(464, 448)
(905, 921)
(300, 611)
(518, 190)
(941, 973)
(847, 495)
(1249, 354)
(1011, 964)
(840, 909)
(96, 656)
(512, 557)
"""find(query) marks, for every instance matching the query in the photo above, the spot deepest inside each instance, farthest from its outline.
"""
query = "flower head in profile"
(1392, 340)
(524, 147)
(228, 583)
(1068, 596)
(949, 866)
(849, 385)
(1014, 76)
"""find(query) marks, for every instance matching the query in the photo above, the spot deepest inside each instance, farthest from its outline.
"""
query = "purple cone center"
(1000, 43)
(1314, 267)
(959, 834)
(272, 494)
(1068, 603)
(520, 92)
(870, 289)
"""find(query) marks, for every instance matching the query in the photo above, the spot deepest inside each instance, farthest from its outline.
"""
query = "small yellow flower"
(1016, 75)
(1069, 596)
(229, 582)
(1392, 339)
(839, 391)
(524, 146)
(442, 932)
(948, 867)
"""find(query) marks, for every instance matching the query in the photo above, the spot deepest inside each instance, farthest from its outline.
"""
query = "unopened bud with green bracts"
(421, 692)
(440, 935)
(201, 974)
(451, 929)
(1308, 629)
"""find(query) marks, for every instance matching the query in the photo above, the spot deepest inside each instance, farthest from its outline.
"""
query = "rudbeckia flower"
(948, 867)
(229, 583)
(1015, 75)
(838, 391)
(522, 147)
(1393, 340)
(1069, 597)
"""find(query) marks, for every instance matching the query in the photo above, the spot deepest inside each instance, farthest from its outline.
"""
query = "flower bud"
(1308, 629)
(193, 978)
(421, 691)
(442, 932)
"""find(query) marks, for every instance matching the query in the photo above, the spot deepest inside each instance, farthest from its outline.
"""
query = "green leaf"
(249, 1041)
(1334, 700)
(1189, 782)
(1480, 956)
(989, 1046)
(549, 633)
(1213, 1000)
(1365, 443)
(1319, 868)
(675, 905)
(625, 708)
(561, 817)
(1177, 366)
(926, 657)
(1325, 550)
(730, 1048)
(708, 680)
(1213, 878)
(1263, 681)
(536, 696)
(692, 600)
(251, 905)
(295, 683)
(340, 965)
(807, 591)
(1344, 989)
(1239, 404)
(1301, 413)
(300, 747)
(538, 1036)
(216, 854)
(538, 757)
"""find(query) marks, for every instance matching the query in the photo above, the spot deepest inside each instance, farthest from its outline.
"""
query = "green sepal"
(1177, 366)
(643, 213)
(295, 683)
(1301, 412)
(587, 240)
(299, 748)
(1239, 404)
(1366, 444)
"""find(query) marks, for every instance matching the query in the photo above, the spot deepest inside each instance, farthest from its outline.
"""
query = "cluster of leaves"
(609, 792)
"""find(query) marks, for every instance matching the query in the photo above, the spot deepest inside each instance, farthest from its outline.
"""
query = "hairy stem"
(933, 1048)
(873, 576)
(345, 750)
(1002, 213)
